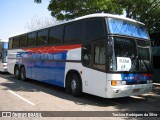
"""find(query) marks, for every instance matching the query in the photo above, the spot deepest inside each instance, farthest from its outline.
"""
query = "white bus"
(100, 54)
(3, 56)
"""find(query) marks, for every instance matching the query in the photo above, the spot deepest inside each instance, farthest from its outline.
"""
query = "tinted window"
(22, 41)
(94, 29)
(42, 37)
(56, 35)
(10, 43)
(73, 32)
(31, 39)
(15, 42)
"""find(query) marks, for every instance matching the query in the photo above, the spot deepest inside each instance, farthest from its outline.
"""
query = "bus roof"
(97, 15)
(108, 15)
(84, 17)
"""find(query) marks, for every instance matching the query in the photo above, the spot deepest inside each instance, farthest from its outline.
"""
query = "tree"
(37, 1)
(146, 11)
(37, 23)
(69, 9)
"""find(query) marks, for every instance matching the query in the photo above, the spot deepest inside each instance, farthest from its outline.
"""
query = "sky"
(15, 15)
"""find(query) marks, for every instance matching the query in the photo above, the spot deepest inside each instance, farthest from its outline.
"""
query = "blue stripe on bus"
(42, 68)
(40, 64)
(136, 78)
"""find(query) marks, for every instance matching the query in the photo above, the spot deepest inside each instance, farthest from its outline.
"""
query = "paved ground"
(16, 95)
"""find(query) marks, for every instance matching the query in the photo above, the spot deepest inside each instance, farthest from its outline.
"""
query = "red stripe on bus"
(52, 49)
(148, 75)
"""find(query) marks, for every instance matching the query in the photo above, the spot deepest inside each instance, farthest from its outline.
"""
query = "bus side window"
(42, 37)
(10, 43)
(73, 32)
(22, 40)
(94, 29)
(15, 42)
(86, 55)
(56, 35)
(31, 39)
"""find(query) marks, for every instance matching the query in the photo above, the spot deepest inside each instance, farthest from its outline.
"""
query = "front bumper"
(128, 90)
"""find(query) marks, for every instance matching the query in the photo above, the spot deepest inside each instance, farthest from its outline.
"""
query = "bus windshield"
(122, 27)
(130, 55)
(4, 56)
(3, 51)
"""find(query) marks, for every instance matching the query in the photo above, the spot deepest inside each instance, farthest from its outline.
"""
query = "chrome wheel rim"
(17, 72)
(73, 85)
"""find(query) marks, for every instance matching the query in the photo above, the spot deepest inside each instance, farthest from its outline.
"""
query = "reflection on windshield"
(122, 27)
(144, 57)
(130, 55)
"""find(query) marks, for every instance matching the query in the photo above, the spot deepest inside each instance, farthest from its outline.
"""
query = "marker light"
(118, 82)
(113, 82)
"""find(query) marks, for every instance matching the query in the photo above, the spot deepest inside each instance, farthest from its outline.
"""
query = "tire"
(23, 74)
(75, 85)
(17, 73)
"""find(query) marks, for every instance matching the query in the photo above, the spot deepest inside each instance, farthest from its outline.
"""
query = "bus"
(3, 56)
(100, 54)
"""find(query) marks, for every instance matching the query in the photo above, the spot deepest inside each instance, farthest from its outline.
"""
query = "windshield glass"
(130, 55)
(122, 27)
(4, 56)
(3, 51)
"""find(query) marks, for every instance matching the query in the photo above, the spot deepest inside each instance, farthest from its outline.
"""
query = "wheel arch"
(68, 75)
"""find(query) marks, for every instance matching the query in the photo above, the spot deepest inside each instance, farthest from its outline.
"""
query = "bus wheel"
(16, 72)
(23, 73)
(76, 86)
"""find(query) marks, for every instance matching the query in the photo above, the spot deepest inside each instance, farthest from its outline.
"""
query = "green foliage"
(146, 11)
(69, 9)
(37, 1)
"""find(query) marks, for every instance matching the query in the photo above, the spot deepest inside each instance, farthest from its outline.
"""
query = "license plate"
(136, 90)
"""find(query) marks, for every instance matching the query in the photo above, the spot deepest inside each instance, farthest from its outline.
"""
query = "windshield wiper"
(133, 63)
(143, 62)
(145, 65)
(125, 54)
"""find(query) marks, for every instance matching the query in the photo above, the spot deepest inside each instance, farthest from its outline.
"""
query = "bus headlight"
(118, 82)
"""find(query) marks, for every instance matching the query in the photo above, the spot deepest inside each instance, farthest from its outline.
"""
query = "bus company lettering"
(129, 78)
(123, 60)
